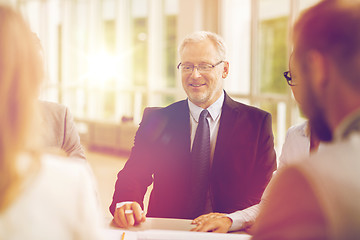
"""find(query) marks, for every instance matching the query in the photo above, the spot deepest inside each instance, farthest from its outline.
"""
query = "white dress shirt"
(214, 122)
(213, 119)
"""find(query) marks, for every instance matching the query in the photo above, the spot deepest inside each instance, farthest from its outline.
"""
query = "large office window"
(258, 33)
(109, 59)
(270, 51)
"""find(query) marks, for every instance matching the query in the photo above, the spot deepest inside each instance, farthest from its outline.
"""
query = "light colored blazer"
(59, 130)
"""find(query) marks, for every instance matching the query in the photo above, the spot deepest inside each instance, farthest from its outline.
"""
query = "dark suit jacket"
(243, 162)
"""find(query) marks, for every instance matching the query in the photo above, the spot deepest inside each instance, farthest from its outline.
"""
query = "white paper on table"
(116, 234)
(185, 235)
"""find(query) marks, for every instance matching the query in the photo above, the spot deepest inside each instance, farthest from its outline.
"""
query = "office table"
(167, 228)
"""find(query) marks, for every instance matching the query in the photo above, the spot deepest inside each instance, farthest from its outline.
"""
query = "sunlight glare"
(102, 68)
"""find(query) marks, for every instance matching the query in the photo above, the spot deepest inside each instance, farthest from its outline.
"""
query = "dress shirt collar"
(214, 109)
(349, 124)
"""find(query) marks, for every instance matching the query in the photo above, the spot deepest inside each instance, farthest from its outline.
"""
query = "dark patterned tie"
(200, 165)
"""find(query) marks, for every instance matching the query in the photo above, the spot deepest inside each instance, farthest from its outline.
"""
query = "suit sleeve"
(265, 160)
(133, 180)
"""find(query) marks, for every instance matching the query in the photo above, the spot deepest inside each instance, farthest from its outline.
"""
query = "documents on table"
(185, 235)
(112, 234)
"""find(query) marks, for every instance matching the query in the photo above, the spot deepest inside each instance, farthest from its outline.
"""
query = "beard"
(198, 98)
(320, 128)
(317, 120)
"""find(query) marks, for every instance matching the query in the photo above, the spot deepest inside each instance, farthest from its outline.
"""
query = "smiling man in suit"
(240, 149)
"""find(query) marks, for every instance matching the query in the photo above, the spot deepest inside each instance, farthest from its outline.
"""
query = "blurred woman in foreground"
(41, 196)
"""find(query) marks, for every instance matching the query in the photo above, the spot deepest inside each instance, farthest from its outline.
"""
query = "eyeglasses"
(289, 80)
(202, 67)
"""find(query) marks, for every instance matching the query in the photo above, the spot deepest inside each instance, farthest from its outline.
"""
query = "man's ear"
(318, 71)
(225, 70)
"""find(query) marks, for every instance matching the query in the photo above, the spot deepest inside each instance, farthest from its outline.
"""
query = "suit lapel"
(178, 128)
(227, 120)
(182, 125)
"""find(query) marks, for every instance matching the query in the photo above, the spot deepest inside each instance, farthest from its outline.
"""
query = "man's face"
(310, 104)
(204, 88)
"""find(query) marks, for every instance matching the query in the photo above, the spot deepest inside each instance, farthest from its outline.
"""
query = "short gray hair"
(199, 36)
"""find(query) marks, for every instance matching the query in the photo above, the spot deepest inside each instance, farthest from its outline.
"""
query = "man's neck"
(207, 105)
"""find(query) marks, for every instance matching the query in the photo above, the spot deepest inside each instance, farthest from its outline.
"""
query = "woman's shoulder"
(298, 130)
(66, 170)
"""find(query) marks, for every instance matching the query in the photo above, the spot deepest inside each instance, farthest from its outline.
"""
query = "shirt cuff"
(244, 218)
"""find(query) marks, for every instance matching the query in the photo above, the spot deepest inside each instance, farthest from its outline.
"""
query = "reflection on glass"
(139, 10)
(273, 44)
(170, 50)
(140, 51)
(273, 54)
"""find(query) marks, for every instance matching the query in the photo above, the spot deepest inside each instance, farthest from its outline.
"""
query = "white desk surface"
(167, 228)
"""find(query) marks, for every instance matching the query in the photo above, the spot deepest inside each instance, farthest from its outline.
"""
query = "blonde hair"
(20, 77)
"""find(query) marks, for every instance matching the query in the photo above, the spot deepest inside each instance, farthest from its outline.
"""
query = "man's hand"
(212, 222)
(128, 214)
